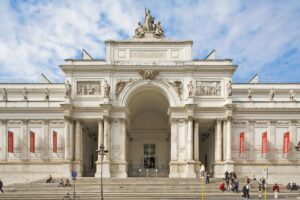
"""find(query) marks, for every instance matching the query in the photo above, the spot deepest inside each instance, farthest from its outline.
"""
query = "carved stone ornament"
(149, 27)
(261, 122)
(25, 94)
(229, 88)
(239, 122)
(46, 94)
(60, 122)
(120, 86)
(16, 122)
(272, 94)
(208, 88)
(190, 88)
(148, 74)
(4, 94)
(36, 122)
(177, 85)
(88, 88)
(282, 122)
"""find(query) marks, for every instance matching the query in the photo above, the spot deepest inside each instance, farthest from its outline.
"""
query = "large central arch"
(148, 130)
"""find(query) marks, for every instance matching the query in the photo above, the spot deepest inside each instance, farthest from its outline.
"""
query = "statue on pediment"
(106, 89)
(292, 95)
(229, 88)
(46, 94)
(149, 27)
(190, 88)
(68, 89)
(250, 93)
(25, 94)
(149, 20)
(159, 32)
(272, 94)
(139, 31)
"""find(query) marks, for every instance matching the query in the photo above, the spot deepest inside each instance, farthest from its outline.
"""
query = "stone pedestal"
(106, 169)
(219, 169)
(77, 166)
(197, 168)
(190, 169)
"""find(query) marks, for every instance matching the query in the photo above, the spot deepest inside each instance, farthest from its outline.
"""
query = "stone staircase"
(115, 188)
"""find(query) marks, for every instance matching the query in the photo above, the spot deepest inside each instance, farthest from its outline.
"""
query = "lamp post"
(101, 152)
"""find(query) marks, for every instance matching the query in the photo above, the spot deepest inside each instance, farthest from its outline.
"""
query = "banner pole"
(203, 188)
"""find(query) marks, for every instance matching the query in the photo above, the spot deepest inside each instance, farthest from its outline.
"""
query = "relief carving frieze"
(208, 88)
(36, 121)
(88, 88)
(261, 122)
(59, 122)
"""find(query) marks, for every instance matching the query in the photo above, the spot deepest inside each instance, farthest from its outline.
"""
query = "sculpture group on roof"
(149, 26)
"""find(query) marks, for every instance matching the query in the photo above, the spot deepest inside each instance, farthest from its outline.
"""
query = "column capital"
(196, 120)
(190, 117)
(219, 120)
(229, 118)
(100, 120)
(106, 118)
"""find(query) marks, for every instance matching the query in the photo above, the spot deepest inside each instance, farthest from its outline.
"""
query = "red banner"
(10, 142)
(264, 143)
(54, 142)
(32, 142)
(242, 142)
(286, 142)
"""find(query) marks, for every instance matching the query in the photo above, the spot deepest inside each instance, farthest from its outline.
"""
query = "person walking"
(260, 188)
(275, 190)
(245, 192)
(1, 186)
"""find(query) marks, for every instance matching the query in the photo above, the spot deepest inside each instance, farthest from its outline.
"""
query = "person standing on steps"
(1, 186)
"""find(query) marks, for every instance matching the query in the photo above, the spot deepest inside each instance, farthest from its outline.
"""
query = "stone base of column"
(219, 169)
(77, 166)
(229, 165)
(119, 169)
(197, 168)
(106, 169)
(177, 169)
(190, 169)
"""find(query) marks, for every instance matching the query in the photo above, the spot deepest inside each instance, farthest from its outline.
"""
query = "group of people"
(231, 182)
(64, 184)
(293, 186)
(61, 183)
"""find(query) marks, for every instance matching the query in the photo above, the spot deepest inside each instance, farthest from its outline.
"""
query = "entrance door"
(149, 156)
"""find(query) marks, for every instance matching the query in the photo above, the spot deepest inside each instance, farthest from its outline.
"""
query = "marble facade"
(148, 90)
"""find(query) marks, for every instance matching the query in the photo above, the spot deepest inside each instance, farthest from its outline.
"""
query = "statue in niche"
(46, 94)
(292, 95)
(190, 88)
(25, 94)
(159, 32)
(272, 94)
(149, 20)
(68, 89)
(229, 88)
(4, 94)
(139, 31)
(106, 89)
(250, 94)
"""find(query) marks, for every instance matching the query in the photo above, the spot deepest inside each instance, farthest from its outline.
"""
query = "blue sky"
(262, 37)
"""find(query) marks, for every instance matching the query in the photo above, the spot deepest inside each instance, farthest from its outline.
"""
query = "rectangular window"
(149, 156)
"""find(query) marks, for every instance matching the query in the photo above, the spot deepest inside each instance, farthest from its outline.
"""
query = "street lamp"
(102, 153)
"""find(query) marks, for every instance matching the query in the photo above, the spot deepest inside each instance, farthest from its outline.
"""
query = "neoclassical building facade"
(156, 110)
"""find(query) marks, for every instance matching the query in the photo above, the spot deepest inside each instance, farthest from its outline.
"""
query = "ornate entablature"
(208, 88)
(88, 88)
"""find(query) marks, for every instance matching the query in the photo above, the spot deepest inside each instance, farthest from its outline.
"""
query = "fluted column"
(196, 141)
(224, 138)
(78, 141)
(174, 139)
(67, 137)
(228, 138)
(100, 136)
(190, 138)
(218, 141)
(106, 137)
(72, 140)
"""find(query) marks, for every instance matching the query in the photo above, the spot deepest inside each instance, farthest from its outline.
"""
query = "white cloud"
(35, 38)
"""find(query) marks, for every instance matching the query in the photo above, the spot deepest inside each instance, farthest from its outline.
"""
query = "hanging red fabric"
(32, 142)
(264, 143)
(286, 142)
(54, 142)
(10, 145)
(242, 142)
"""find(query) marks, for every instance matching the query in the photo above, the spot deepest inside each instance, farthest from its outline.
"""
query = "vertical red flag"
(32, 142)
(264, 143)
(242, 142)
(10, 142)
(286, 142)
(54, 141)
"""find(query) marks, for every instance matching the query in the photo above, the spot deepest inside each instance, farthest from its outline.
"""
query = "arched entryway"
(149, 134)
